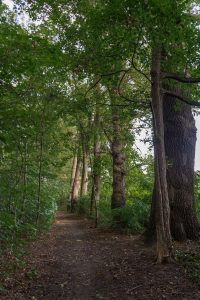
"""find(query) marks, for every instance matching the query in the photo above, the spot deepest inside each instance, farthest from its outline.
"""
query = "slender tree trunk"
(76, 185)
(24, 177)
(74, 163)
(96, 170)
(161, 206)
(84, 177)
(40, 158)
(119, 169)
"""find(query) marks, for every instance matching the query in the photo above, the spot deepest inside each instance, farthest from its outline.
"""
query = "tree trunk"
(76, 185)
(180, 140)
(24, 177)
(74, 163)
(96, 170)
(161, 205)
(119, 169)
(40, 163)
(84, 177)
(40, 160)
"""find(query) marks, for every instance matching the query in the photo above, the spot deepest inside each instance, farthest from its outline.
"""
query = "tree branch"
(96, 82)
(142, 102)
(139, 71)
(119, 86)
(176, 77)
(181, 97)
(112, 73)
(107, 136)
(196, 16)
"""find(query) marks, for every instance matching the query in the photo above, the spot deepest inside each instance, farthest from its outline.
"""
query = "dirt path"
(76, 261)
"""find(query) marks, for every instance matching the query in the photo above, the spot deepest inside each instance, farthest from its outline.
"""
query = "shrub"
(190, 259)
(83, 206)
(104, 214)
(134, 216)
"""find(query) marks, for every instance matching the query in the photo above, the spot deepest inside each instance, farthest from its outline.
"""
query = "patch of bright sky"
(22, 18)
(140, 144)
(144, 147)
(9, 3)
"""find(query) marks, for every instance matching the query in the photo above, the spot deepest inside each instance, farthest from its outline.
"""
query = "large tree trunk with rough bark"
(96, 180)
(119, 169)
(161, 199)
(180, 140)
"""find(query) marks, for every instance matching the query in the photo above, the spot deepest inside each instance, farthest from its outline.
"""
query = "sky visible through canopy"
(144, 147)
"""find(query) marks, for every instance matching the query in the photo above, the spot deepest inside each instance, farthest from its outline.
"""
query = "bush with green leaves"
(104, 213)
(83, 206)
(197, 193)
(133, 217)
(17, 222)
(190, 259)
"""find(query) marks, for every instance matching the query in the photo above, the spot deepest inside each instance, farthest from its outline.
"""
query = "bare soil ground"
(76, 261)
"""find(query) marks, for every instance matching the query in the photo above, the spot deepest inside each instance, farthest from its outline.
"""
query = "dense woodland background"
(79, 81)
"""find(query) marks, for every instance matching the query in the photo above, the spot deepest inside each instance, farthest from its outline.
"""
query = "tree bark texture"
(119, 169)
(161, 204)
(180, 140)
(24, 190)
(96, 180)
(84, 177)
(73, 172)
(76, 185)
(40, 162)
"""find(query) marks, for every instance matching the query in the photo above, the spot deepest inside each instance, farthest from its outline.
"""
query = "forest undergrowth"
(97, 116)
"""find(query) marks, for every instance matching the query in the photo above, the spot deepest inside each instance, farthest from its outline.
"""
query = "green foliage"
(105, 219)
(17, 223)
(190, 259)
(32, 147)
(133, 217)
(81, 56)
(197, 193)
(83, 206)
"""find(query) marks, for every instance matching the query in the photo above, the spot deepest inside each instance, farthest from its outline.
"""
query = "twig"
(141, 72)
(96, 82)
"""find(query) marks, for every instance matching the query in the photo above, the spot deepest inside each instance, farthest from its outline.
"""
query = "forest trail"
(76, 261)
